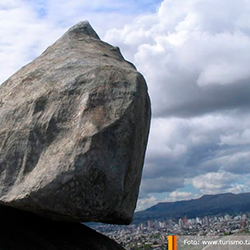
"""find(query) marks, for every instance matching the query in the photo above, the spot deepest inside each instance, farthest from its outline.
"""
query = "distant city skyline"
(189, 231)
(194, 57)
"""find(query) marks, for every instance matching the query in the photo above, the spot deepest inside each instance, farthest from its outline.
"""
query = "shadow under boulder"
(21, 230)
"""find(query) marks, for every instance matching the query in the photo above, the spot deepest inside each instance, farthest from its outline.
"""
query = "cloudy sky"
(195, 57)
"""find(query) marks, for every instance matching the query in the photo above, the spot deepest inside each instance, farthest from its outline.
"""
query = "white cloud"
(194, 57)
(27, 28)
(150, 200)
(23, 36)
(238, 188)
(178, 195)
(211, 183)
(239, 138)
(222, 182)
(147, 202)
(185, 148)
(185, 55)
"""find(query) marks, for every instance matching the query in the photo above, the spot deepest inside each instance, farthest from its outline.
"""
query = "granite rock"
(74, 125)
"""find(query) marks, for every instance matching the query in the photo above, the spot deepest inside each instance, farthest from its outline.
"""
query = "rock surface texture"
(26, 231)
(74, 126)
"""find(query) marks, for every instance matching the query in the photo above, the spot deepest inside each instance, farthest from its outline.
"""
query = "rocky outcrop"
(26, 231)
(74, 126)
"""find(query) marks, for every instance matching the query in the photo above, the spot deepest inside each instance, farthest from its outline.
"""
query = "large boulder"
(74, 126)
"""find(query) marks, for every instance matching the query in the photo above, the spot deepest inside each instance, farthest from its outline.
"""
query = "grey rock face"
(74, 125)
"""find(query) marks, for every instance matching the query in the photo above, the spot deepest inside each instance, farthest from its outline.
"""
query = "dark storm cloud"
(196, 101)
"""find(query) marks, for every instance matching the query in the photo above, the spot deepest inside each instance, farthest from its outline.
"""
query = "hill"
(206, 205)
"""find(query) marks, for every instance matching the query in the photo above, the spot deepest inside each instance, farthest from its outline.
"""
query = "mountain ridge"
(204, 206)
